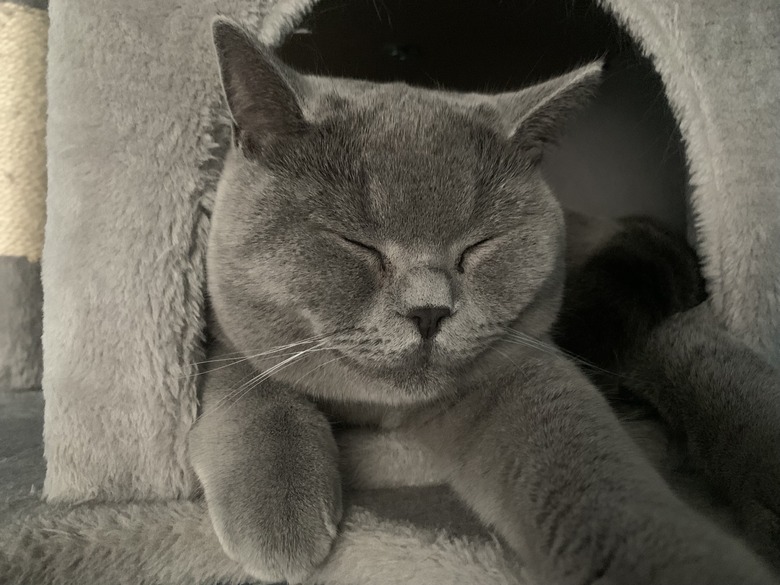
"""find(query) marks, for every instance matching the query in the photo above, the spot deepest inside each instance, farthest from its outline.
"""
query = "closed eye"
(366, 248)
(472, 248)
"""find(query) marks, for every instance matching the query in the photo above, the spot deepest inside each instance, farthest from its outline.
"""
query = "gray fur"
(728, 414)
(338, 213)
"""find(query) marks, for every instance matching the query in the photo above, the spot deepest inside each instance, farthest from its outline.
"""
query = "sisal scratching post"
(23, 44)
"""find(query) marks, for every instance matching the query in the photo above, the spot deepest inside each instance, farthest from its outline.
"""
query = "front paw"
(278, 537)
(268, 465)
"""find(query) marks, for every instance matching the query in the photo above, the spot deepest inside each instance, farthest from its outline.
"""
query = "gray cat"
(391, 257)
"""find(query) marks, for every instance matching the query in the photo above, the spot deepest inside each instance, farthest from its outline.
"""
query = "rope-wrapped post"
(23, 43)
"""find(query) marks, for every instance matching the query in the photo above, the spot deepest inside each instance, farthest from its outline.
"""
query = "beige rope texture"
(23, 44)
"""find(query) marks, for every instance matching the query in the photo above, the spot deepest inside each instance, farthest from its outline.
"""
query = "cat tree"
(136, 135)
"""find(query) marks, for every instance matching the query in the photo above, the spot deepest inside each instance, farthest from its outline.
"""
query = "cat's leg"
(542, 459)
(267, 461)
(625, 311)
(725, 400)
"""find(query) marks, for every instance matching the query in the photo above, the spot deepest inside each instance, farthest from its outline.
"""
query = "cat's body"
(392, 257)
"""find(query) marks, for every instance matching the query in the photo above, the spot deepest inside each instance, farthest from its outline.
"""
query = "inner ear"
(258, 88)
(536, 115)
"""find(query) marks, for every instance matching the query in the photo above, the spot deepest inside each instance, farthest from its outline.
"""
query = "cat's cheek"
(338, 291)
(501, 288)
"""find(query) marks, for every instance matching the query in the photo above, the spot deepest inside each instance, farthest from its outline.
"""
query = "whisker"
(538, 344)
(254, 381)
(241, 354)
(228, 396)
(532, 342)
(509, 359)
(266, 374)
(261, 377)
(322, 365)
(237, 360)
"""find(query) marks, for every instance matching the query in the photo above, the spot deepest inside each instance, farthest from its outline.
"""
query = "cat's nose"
(428, 319)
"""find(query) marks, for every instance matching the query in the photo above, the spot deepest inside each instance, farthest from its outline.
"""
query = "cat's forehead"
(417, 117)
(421, 164)
(397, 115)
(399, 159)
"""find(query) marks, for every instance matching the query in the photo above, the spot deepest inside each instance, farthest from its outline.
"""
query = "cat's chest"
(364, 415)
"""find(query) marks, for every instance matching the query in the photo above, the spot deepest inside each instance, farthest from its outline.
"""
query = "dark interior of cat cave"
(623, 155)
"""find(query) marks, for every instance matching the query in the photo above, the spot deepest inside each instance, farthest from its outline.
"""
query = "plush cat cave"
(687, 128)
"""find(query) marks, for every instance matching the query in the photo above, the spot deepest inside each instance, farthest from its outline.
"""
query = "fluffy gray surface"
(21, 446)
(135, 136)
(20, 323)
(172, 542)
(718, 60)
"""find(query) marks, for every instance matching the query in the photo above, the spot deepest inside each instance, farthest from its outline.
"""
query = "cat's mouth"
(423, 356)
(421, 361)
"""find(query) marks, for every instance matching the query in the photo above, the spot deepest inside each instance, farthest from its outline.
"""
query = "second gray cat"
(391, 257)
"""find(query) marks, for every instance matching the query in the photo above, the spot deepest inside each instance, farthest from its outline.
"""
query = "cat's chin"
(424, 370)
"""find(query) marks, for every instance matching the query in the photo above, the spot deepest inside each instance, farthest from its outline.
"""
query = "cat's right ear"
(257, 87)
(536, 115)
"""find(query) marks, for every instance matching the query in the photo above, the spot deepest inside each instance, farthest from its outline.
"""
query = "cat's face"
(401, 229)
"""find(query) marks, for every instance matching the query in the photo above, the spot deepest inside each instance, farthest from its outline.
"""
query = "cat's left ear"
(536, 115)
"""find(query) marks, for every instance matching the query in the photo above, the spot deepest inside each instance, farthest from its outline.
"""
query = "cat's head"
(401, 230)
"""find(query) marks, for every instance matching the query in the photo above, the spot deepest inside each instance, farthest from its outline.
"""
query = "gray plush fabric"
(718, 60)
(21, 447)
(21, 299)
(172, 542)
(135, 136)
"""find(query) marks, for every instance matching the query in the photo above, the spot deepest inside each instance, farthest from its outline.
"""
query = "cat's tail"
(628, 284)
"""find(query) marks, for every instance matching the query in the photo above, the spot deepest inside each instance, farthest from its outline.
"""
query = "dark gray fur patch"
(39, 4)
(638, 278)
(21, 301)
